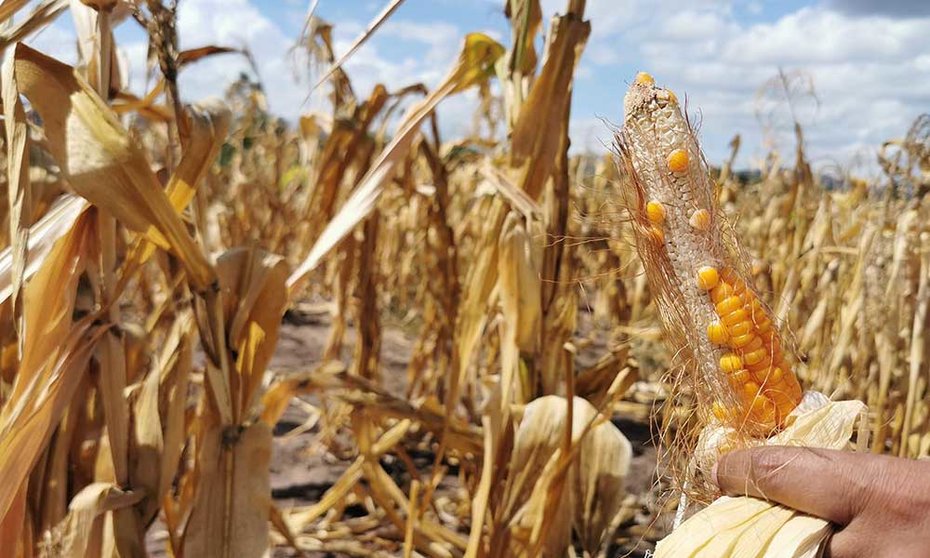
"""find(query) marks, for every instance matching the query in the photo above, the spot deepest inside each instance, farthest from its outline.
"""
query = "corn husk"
(750, 527)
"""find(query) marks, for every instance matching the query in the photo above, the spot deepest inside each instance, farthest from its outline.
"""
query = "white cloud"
(869, 73)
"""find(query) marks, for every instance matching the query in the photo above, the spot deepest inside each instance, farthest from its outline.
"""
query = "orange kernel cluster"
(755, 364)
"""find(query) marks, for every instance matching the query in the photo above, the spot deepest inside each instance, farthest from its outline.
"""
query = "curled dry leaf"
(519, 286)
(43, 235)
(78, 535)
(99, 159)
(592, 491)
(254, 298)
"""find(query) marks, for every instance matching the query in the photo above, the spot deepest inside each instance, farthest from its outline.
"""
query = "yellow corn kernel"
(644, 78)
(707, 277)
(739, 378)
(717, 333)
(751, 389)
(728, 305)
(763, 324)
(731, 363)
(775, 376)
(720, 412)
(779, 363)
(740, 341)
(742, 328)
(700, 219)
(672, 98)
(678, 160)
(753, 344)
(735, 317)
(721, 291)
(754, 357)
(655, 212)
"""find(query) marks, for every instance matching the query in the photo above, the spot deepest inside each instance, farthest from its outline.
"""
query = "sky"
(868, 63)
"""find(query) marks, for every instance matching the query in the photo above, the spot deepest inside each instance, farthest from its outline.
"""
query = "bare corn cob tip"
(705, 305)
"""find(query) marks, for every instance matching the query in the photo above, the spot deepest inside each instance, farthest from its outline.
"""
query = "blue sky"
(869, 61)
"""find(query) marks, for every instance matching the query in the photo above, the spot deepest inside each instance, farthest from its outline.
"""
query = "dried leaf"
(73, 537)
(19, 188)
(99, 159)
(478, 54)
(43, 235)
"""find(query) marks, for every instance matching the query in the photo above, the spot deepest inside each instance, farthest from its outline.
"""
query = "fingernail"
(713, 474)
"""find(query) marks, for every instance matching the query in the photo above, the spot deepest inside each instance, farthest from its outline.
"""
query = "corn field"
(451, 342)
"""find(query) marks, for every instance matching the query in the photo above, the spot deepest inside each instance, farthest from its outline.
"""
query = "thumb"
(825, 483)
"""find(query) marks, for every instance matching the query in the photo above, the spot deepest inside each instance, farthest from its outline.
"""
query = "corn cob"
(707, 308)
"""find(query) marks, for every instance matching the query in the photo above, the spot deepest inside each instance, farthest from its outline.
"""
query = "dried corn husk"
(748, 527)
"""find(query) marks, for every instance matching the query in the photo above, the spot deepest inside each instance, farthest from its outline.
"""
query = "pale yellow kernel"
(672, 98)
(730, 363)
(678, 160)
(717, 333)
(707, 277)
(700, 219)
(655, 212)
(644, 78)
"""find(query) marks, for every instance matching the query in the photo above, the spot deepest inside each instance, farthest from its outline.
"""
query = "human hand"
(880, 504)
